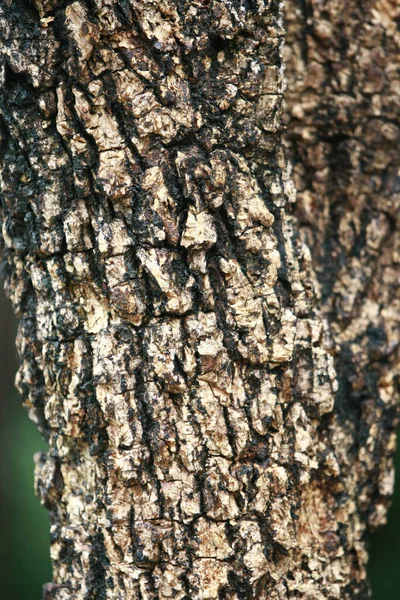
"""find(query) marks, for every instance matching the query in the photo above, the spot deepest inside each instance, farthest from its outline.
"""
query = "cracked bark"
(220, 410)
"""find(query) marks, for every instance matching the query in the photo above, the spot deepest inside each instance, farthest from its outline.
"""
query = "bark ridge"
(177, 350)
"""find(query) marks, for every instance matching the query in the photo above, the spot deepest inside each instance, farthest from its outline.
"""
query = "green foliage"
(384, 573)
(24, 536)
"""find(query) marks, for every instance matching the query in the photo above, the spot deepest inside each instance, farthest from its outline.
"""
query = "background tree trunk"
(220, 412)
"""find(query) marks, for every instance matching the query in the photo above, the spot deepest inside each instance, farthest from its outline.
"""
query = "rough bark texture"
(343, 118)
(220, 415)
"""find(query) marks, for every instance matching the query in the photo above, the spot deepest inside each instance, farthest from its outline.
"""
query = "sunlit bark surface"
(213, 366)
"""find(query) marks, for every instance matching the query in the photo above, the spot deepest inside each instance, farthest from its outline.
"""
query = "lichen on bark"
(220, 419)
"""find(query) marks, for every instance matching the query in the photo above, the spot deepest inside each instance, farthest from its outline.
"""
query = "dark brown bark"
(343, 100)
(220, 412)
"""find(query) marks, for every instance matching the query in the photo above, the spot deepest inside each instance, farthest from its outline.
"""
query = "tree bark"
(343, 133)
(220, 410)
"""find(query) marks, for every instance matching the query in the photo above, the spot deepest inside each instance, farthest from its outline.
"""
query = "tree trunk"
(220, 411)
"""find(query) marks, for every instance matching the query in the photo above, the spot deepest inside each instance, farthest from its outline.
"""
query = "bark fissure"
(178, 347)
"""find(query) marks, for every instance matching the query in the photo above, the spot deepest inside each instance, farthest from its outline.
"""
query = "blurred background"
(24, 538)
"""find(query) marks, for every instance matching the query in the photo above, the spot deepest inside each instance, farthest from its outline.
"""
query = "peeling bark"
(220, 410)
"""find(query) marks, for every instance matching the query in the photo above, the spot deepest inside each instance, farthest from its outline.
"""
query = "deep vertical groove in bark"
(177, 348)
